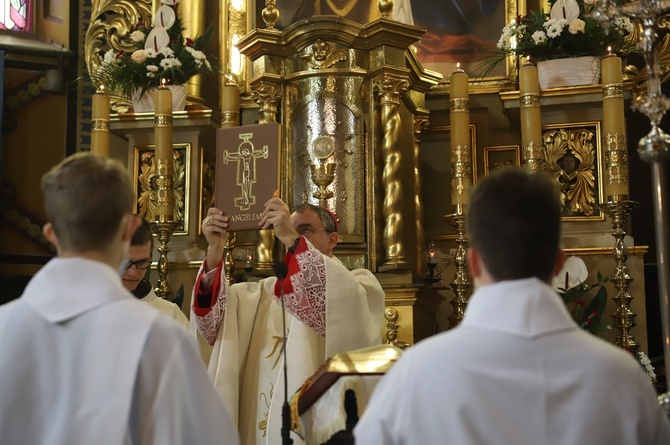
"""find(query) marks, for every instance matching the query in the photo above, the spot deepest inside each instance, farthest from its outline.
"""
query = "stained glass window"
(15, 15)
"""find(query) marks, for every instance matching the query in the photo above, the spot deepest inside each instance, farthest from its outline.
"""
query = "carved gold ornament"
(322, 57)
(571, 156)
(147, 196)
(112, 22)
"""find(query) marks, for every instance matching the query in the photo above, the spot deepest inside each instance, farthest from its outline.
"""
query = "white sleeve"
(383, 421)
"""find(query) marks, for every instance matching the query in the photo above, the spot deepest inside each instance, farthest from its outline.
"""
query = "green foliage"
(589, 317)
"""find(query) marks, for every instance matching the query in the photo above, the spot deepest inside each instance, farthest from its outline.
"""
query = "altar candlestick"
(614, 130)
(100, 123)
(531, 118)
(230, 105)
(431, 253)
(461, 155)
(163, 154)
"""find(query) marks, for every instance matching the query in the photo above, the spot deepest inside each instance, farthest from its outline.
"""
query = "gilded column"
(234, 20)
(389, 87)
(533, 151)
(230, 117)
(267, 96)
(420, 124)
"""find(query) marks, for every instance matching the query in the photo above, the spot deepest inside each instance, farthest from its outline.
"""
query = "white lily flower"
(165, 17)
(565, 9)
(157, 39)
(574, 272)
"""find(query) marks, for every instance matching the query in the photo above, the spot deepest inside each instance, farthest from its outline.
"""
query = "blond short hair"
(86, 197)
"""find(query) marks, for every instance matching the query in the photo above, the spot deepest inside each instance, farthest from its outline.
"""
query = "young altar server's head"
(139, 256)
(514, 227)
(89, 202)
(318, 225)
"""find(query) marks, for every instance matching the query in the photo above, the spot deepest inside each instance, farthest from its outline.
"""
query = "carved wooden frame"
(511, 153)
(598, 163)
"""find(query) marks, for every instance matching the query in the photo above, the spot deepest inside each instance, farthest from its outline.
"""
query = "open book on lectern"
(375, 360)
(247, 172)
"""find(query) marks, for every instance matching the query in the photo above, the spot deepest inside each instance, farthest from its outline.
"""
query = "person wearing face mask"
(82, 360)
(133, 278)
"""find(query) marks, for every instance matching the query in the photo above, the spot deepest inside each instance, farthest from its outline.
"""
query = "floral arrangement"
(570, 285)
(567, 31)
(645, 362)
(161, 53)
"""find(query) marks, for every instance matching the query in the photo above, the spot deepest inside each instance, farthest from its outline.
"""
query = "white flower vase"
(568, 72)
(145, 104)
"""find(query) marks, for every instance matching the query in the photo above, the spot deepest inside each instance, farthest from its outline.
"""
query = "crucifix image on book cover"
(247, 172)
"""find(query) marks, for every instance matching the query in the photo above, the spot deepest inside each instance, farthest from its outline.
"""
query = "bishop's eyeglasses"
(307, 230)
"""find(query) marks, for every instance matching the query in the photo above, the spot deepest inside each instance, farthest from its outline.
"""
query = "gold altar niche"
(351, 101)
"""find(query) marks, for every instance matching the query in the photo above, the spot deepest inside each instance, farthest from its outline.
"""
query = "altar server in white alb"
(133, 278)
(83, 361)
(518, 369)
(329, 310)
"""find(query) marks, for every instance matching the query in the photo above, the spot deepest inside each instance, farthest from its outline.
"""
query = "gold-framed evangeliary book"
(247, 172)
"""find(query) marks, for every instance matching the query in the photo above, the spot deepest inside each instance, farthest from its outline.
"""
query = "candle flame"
(163, 82)
(458, 65)
(101, 89)
(609, 50)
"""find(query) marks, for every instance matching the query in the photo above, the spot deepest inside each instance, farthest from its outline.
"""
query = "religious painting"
(145, 187)
(574, 159)
(436, 176)
(457, 31)
(498, 157)
(463, 32)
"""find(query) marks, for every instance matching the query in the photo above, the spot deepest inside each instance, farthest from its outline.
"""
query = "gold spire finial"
(385, 7)
(270, 14)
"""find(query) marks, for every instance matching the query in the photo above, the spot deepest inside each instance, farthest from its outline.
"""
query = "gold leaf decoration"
(571, 156)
